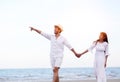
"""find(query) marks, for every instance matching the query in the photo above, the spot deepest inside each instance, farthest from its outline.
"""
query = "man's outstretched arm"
(48, 36)
(33, 29)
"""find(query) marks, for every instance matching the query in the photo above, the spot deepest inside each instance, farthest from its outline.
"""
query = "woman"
(101, 55)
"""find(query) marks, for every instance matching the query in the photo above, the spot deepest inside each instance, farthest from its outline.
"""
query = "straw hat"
(59, 26)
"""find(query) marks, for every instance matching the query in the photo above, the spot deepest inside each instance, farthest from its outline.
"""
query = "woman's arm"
(106, 54)
(106, 57)
(89, 49)
(84, 52)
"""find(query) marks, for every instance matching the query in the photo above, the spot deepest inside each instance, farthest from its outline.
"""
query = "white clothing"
(56, 61)
(101, 52)
(57, 48)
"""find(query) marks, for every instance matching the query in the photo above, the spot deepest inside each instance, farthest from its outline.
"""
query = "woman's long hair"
(105, 37)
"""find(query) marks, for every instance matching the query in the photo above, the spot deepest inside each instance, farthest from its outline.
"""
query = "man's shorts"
(56, 61)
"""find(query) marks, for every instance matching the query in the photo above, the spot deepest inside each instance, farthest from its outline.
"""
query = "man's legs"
(56, 74)
(56, 63)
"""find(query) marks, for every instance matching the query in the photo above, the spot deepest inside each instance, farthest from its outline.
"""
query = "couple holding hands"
(57, 48)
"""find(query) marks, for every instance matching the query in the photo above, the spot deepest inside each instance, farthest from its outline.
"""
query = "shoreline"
(90, 80)
(37, 80)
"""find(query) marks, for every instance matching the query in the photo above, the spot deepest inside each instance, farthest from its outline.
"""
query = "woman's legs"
(100, 69)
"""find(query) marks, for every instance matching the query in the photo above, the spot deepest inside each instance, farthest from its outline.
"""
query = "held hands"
(78, 55)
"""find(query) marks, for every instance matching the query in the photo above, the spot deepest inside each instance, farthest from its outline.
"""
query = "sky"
(82, 21)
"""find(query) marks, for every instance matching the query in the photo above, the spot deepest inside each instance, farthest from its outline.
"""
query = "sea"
(47, 74)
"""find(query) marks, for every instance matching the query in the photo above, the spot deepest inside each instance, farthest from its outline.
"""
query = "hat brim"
(58, 26)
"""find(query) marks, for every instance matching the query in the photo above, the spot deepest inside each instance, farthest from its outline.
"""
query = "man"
(57, 48)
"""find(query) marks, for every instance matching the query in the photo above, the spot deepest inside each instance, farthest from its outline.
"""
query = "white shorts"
(56, 61)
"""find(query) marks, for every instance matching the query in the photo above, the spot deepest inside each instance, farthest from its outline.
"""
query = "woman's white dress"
(100, 53)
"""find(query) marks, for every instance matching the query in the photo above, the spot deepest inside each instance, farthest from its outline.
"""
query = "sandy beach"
(109, 80)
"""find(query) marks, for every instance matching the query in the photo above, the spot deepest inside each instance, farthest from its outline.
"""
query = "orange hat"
(59, 26)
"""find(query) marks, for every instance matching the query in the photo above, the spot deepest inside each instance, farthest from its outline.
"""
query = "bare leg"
(56, 74)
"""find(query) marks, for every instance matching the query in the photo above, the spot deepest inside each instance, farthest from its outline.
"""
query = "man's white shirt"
(57, 44)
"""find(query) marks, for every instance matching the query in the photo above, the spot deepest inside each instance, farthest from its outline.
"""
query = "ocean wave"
(46, 74)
